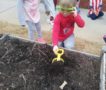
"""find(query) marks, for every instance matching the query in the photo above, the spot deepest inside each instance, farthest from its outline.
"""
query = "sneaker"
(41, 40)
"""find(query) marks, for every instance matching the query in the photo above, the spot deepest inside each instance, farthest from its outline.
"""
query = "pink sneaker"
(41, 40)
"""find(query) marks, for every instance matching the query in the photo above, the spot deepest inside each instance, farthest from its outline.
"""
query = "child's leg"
(39, 33)
(61, 44)
(38, 29)
(69, 42)
(31, 30)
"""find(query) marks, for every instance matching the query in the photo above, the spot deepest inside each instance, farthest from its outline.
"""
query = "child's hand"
(75, 12)
(55, 48)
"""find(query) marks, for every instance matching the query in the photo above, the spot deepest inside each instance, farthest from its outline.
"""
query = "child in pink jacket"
(64, 23)
(28, 12)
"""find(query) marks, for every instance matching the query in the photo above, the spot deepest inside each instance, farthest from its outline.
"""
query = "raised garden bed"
(26, 65)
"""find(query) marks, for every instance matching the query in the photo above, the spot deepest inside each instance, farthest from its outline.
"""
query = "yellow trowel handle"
(58, 53)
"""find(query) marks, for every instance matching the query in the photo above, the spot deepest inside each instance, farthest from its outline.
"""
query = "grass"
(81, 44)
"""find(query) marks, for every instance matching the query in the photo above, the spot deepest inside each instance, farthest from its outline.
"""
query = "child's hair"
(67, 3)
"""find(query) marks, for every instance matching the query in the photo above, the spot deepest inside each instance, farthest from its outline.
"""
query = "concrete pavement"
(8, 11)
(93, 30)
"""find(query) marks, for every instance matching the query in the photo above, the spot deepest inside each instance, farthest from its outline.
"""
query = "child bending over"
(63, 29)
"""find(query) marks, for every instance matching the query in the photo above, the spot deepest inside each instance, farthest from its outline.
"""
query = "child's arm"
(79, 21)
(91, 5)
(55, 31)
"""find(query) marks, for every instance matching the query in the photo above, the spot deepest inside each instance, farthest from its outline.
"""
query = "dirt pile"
(26, 65)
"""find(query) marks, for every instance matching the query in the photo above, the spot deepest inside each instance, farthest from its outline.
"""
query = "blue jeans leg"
(68, 43)
(31, 30)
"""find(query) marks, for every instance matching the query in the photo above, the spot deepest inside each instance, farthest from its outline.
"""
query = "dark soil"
(26, 65)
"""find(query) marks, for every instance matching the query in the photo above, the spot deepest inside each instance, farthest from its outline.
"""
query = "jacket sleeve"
(20, 12)
(55, 31)
(79, 21)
